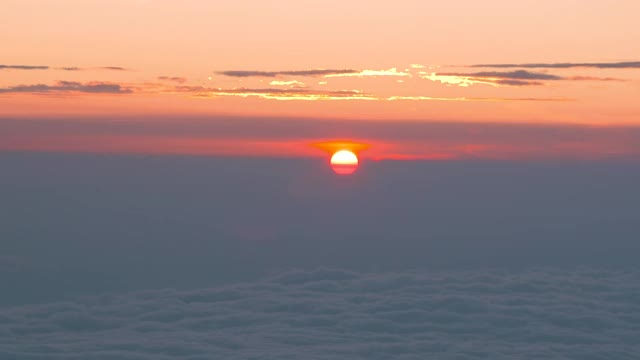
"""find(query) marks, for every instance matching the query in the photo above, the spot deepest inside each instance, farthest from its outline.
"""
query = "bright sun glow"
(344, 162)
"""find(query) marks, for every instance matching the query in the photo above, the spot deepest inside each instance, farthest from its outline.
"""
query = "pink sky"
(572, 64)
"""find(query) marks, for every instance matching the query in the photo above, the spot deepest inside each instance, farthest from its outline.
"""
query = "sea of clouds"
(338, 314)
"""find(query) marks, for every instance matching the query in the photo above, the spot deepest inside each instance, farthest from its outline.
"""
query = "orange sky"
(572, 64)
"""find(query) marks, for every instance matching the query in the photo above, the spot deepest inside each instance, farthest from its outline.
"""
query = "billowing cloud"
(339, 314)
(313, 72)
(68, 87)
(603, 65)
(22, 67)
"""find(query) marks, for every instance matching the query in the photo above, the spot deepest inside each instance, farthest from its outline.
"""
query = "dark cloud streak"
(522, 77)
(176, 79)
(314, 72)
(23, 67)
(68, 87)
(611, 65)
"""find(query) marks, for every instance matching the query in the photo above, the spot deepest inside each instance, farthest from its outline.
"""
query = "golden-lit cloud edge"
(281, 94)
(504, 78)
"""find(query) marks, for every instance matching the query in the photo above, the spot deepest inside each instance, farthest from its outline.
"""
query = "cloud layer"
(65, 68)
(335, 314)
(312, 72)
(23, 67)
(603, 65)
(507, 78)
(68, 87)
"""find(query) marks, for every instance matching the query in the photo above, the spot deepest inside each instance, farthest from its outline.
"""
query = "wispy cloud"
(312, 72)
(517, 74)
(64, 68)
(115, 68)
(310, 94)
(176, 79)
(293, 90)
(365, 73)
(481, 99)
(283, 94)
(603, 65)
(76, 68)
(23, 67)
(327, 73)
(68, 87)
(291, 83)
(506, 78)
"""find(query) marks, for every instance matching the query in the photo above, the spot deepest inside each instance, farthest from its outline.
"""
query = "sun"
(344, 162)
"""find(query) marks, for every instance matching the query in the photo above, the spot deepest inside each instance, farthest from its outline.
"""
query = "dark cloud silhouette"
(338, 314)
(176, 79)
(606, 65)
(23, 67)
(314, 72)
(68, 87)
(517, 74)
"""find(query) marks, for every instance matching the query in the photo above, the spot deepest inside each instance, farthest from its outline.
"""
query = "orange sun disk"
(344, 162)
(344, 158)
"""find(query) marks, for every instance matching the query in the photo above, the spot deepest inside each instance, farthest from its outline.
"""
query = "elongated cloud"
(284, 94)
(605, 65)
(313, 72)
(115, 68)
(310, 94)
(22, 67)
(365, 73)
(503, 78)
(68, 87)
(291, 83)
(319, 72)
(76, 68)
(176, 79)
(290, 93)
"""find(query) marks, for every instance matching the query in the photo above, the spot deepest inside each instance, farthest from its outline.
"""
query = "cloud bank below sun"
(546, 313)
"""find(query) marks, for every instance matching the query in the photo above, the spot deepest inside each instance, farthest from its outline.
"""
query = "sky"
(479, 67)
(165, 188)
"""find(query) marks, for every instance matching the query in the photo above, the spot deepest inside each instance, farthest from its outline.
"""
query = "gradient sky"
(562, 76)
(166, 194)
